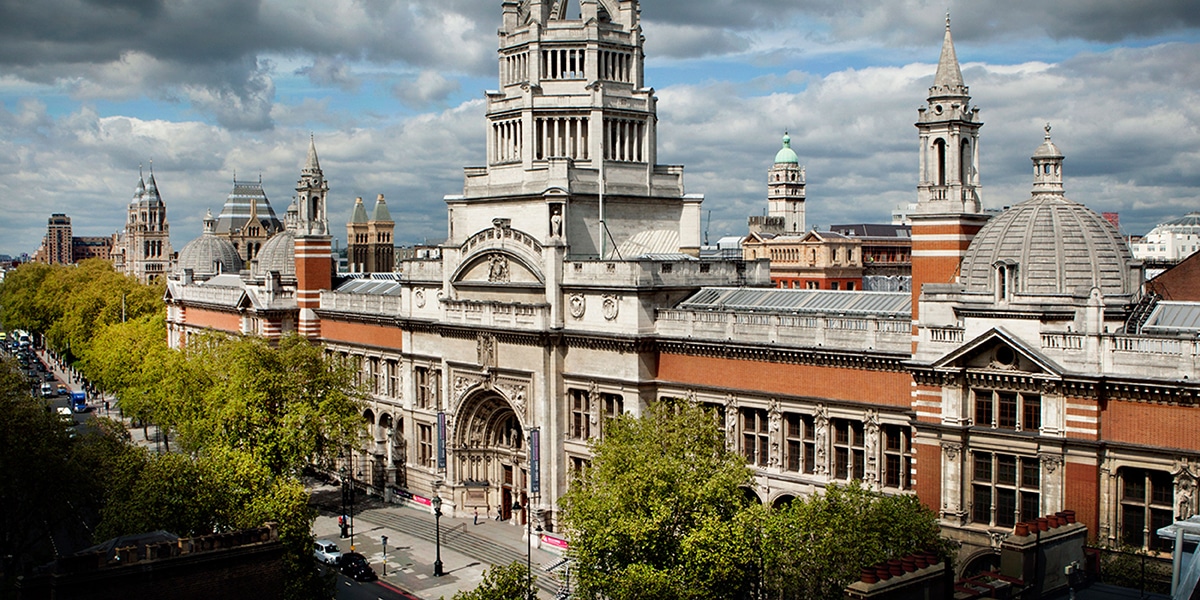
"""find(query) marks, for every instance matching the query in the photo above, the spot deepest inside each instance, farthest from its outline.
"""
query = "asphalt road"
(348, 589)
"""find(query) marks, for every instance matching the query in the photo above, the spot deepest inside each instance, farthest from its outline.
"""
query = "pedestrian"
(476, 515)
(106, 407)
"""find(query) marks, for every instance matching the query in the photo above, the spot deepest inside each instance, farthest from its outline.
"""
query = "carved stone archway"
(489, 453)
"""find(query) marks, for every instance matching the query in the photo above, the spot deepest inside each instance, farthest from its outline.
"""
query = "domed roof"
(209, 255)
(1189, 223)
(1058, 246)
(786, 154)
(277, 254)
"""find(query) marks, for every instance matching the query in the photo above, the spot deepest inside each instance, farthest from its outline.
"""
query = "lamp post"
(528, 548)
(342, 480)
(352, 507)
(437, 519)
(383, 538)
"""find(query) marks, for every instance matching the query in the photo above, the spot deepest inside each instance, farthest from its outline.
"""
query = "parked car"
(327, 552)
(356, 567)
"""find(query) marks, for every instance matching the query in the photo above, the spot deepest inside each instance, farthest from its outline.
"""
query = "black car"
(355, 566)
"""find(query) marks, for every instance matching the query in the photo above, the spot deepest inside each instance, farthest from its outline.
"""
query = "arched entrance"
(490, 455)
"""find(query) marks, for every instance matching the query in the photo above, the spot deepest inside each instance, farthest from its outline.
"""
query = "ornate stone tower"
(313, 254)
(356, 238)
(785, 188)
(145, 250)
(381, 250)
(369, 247)
(948, 211)
(571, 139)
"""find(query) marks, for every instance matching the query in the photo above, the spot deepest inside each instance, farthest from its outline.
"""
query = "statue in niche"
(498, 268)
(486, 350)
(822, 439)
(556, 219)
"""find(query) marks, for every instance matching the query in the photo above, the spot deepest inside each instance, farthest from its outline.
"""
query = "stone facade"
(568, 291)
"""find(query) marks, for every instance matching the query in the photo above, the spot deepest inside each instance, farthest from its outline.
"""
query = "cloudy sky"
(392, 91)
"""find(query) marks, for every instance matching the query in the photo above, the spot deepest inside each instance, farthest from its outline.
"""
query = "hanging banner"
(535, 460)
(441, 448)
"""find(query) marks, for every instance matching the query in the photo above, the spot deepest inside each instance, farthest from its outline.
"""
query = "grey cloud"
(331, 72)
(429, 87)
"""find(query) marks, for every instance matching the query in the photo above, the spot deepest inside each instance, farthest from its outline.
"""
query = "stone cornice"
(825, 358)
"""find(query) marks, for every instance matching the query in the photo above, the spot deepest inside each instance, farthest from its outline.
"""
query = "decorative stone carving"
(609, 306)
(498, 268)
(419, 298)
(821, 442)
(461, 385)
(486, 350)
(776, 417)
(731, 415)
(556, 220)
(577, 305)
(1185, 489)
(950, 450)
(516, 395)
(1050, 462)
(871, 446)
(690, 396)
(594, 404)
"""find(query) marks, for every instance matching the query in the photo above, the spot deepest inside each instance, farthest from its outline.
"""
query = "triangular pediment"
(999, 350)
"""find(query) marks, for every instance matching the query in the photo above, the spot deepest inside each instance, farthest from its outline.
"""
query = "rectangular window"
(1146, 506)
(614, 405)
(1007, 410)
(848, 456)
(755, 436)
(1031, 412)
(983, 408)
(581, 425)
(794, 434)
(393, 372)
(425, 445)
(1005, 488)
(421, 381)
(376, 375)
(1007, 417)
(897, 457)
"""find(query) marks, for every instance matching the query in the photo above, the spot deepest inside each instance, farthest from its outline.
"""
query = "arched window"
(939, 147)
(966, 164)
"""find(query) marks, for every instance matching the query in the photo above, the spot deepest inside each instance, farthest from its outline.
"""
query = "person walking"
(476, 515)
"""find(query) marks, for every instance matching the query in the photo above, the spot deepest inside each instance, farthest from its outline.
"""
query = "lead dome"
(209, 254)
(1056, 246)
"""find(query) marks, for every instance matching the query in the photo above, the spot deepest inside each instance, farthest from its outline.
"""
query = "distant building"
(816, 260)
(886, 254)
(92, 246)
(1169, 242)
(369, 245)
(57, 247)
(247, 219)
(143, 249)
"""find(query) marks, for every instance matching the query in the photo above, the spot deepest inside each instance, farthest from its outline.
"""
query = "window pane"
(1159, 518)
(981, 504)
(1006, 469)
(983, 467)
(1161, 488)
(1132, 523)
(983, 408)
(1030, 474)
(1133, 485)
(842, 463)
(1006, 507)
(1007, 417)
(892, 466)
(858, 464)
(794, 455)
(810, 458)
(1030, 506)
(1031, 420)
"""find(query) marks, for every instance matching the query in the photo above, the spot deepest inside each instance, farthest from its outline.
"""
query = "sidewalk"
(467, 549)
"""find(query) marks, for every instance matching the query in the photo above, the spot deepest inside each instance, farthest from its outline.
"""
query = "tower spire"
(948, 80)
(312, 165)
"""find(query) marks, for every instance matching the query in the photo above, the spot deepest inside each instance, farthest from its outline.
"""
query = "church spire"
(949, 79)
(312, 165)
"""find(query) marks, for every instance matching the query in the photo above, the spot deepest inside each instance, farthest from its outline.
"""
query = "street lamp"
(528, 549)
(342, 480)
(383, 538)
(437, 518)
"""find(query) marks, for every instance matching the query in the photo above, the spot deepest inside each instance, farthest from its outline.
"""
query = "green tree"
(819, 543)
(19, 304)
(501, 582)
(670, 526)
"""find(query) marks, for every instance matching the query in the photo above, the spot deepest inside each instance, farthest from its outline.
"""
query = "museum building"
(1003, 387)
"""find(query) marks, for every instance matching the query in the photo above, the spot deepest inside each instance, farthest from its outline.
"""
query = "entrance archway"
(490, 455)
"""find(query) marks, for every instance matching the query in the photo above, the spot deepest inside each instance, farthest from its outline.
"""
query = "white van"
(47, 390)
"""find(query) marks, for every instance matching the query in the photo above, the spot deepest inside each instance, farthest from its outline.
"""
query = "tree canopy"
(501, 582)
(662, 512)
